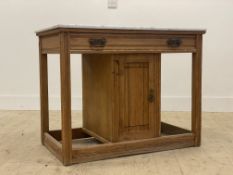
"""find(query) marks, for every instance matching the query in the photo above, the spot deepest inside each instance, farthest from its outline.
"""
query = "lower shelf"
(85, 142)
(87, 148)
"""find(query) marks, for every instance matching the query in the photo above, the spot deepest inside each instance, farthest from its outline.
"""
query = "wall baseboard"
(169, 103)
(209, 103)
(19, 102)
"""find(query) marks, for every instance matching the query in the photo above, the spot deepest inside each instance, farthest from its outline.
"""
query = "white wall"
(19, 78)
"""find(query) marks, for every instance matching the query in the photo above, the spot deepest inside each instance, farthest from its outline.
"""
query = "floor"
(22, 154)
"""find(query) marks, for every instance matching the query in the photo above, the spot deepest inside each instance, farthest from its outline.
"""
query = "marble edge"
(74, 26)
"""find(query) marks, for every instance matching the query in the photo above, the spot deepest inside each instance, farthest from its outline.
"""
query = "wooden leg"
(65, 100)
(44, 106)
(158, 94)
(196, 91)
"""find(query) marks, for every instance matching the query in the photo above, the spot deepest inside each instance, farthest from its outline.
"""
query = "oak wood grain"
(50, 43)
(65, 99)
(197, 91)
(97, 94)
(136, 80)
(105, 151)
(53, 146)
(44, 104)
(129, 42)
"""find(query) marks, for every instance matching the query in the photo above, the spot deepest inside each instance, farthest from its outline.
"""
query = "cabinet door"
(137, 90)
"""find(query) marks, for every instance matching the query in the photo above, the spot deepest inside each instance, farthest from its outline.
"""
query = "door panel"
(135, 82)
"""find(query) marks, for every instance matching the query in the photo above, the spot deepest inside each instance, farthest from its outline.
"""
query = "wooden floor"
(21, 152)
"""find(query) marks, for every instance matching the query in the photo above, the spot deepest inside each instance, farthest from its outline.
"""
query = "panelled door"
(137, 93)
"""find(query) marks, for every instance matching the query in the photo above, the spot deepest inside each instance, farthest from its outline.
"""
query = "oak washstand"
(121, 74)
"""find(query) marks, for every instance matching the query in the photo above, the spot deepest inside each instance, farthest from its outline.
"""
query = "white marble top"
(74, 26)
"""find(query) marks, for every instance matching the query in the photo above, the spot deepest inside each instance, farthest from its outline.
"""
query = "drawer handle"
(97, 42)
(174, 42)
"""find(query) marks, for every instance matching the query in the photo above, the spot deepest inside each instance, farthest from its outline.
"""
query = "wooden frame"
(64, 40)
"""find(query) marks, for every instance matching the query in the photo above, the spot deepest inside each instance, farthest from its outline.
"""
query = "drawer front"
(131, 43)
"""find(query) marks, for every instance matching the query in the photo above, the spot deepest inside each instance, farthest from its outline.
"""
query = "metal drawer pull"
(174, 42)
(97, 42)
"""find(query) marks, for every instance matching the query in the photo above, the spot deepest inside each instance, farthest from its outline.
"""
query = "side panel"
(97, 95)
(50, 44)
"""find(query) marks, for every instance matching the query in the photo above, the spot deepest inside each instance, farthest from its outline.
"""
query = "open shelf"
(85, 142)
(88, 148)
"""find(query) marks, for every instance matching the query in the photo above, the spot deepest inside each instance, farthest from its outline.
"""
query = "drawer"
(131, 43)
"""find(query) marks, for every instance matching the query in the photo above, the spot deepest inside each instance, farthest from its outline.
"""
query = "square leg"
(196, 92)
(65, 100)
(44, 107)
